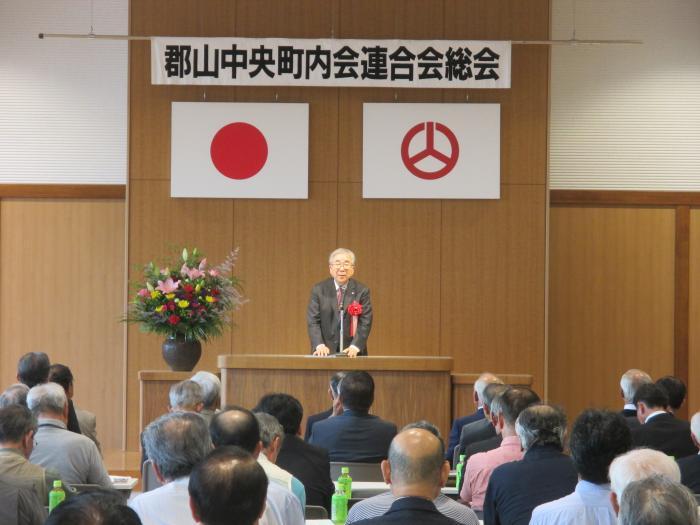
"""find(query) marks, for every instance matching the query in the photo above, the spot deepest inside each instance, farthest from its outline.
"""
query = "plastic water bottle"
(345, 482)
(339, 507)
(57, 495)
(459, 471)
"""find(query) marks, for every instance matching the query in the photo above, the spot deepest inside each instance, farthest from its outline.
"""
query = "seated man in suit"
(19, 503)
(544, 474)
(355, 435)
(416, 471)
(336, 407)
(227, 484)
(380, 504)
(659, 429)
(639, 464)
(484, 428)
(656, 500)
(477, 397)
(690, 465)
(629, 383)
(598, 436)
(506, 408)
(675, 389)
(306, 462)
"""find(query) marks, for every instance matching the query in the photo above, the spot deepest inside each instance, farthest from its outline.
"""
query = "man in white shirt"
(175, 442)
(238, 427)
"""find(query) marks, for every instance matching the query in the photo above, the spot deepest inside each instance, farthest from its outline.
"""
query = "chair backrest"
(358, 471)
(149, 480)
(455, 456)
(315, 512)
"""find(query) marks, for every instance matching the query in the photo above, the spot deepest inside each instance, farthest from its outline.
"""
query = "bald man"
(416, 470)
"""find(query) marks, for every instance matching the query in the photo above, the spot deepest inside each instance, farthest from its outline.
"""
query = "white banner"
(239, 150)
(330, 62)
(431, 151)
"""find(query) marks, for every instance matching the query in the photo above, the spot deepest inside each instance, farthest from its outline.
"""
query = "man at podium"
(341, 296)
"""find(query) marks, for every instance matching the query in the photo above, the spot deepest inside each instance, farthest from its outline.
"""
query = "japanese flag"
(431, 151)
(239, 150)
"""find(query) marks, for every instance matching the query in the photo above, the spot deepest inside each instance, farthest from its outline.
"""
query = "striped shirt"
(379, 505)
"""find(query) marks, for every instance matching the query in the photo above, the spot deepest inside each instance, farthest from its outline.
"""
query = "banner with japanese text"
(331, 62)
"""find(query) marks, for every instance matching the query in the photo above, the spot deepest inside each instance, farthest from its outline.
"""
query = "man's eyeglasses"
(345, 265)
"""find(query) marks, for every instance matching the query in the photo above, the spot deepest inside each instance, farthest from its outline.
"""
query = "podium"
(407, 389)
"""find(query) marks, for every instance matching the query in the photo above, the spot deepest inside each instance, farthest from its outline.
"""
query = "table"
(367, 489)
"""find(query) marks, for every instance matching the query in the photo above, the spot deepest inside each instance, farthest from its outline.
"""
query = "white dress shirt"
(589, 503)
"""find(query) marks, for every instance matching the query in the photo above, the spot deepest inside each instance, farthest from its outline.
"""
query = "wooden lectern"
(407, 389)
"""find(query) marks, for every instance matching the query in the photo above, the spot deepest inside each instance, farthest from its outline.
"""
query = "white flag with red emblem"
(431, 151)
(239, 150)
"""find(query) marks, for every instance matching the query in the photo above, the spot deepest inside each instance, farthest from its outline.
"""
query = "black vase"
(180, 354)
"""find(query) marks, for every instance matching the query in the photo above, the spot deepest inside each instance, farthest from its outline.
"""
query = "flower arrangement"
(188, 300)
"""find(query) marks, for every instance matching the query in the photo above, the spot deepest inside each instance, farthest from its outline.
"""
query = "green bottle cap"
(57, 483)
(345, 470)
(462, 456)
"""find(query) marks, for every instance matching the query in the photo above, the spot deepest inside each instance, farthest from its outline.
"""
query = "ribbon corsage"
(355, 310)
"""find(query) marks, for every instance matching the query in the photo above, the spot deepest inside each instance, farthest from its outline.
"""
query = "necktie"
(339, 296)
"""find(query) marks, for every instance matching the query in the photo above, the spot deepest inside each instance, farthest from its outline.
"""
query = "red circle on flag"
(239, 150)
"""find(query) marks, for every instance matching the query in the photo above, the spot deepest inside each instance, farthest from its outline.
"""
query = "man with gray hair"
(186, 396)
(74, 456)
(690, 466)
(639, 464)
(272, 435)
(416, 470)
(340, 293)
(175, 442)
(211, 393)
(629, 383)
(379, 505)
(14, 395)
(658, 501)
(484, 428)
(544, 474)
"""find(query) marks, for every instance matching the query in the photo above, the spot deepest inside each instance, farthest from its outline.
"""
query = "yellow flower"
(183, 304)
(155, 294)
(209, 299)
(198, 288)
(170, 296)
(160, 308)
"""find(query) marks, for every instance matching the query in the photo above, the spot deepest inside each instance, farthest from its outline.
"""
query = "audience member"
(97, 507)
(175, 442)
(72, 455)
(596, 439)
(639, 464)
(690, 465)
(19, 503)
(79, 421)
(675, 390)
(490, 443)
(228, 488)
(17, 429)
(658, 501)
(659, 429)
(483, 428)
(211, 392)
(544, 474)
(33, 369)
(508, 406)
(272, 436)
(186, 396)
(629, 383)
(416, 471)
(380, 504)
(308, 463)
(238, 427)
(336, 406)
(355, 435)
(477, 397)
(14, 395)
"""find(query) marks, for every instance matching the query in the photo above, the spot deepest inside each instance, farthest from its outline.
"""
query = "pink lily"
(192, 273)
(203, 264)
(143, 292)
(167, 286)
(214, 272)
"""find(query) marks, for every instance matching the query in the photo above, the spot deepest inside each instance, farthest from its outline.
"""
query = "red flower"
(214, 291)
(355, 308)
(173, 319)
(171, 306)
(188, 288)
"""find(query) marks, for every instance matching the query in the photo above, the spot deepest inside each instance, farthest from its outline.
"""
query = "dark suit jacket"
(411, 510)
(315, 418)
(322, 316)
(456, 431)
(667, 434)
(73, 425)
(515, 489)
(311, 466)
(477, 431)
(630, 418)
(690, 472)
(628, 412)
(354, 436)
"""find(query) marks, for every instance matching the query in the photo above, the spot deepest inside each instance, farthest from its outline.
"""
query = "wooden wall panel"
(492, 280)
(62, 292)
(611, 300)
(693, 402)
